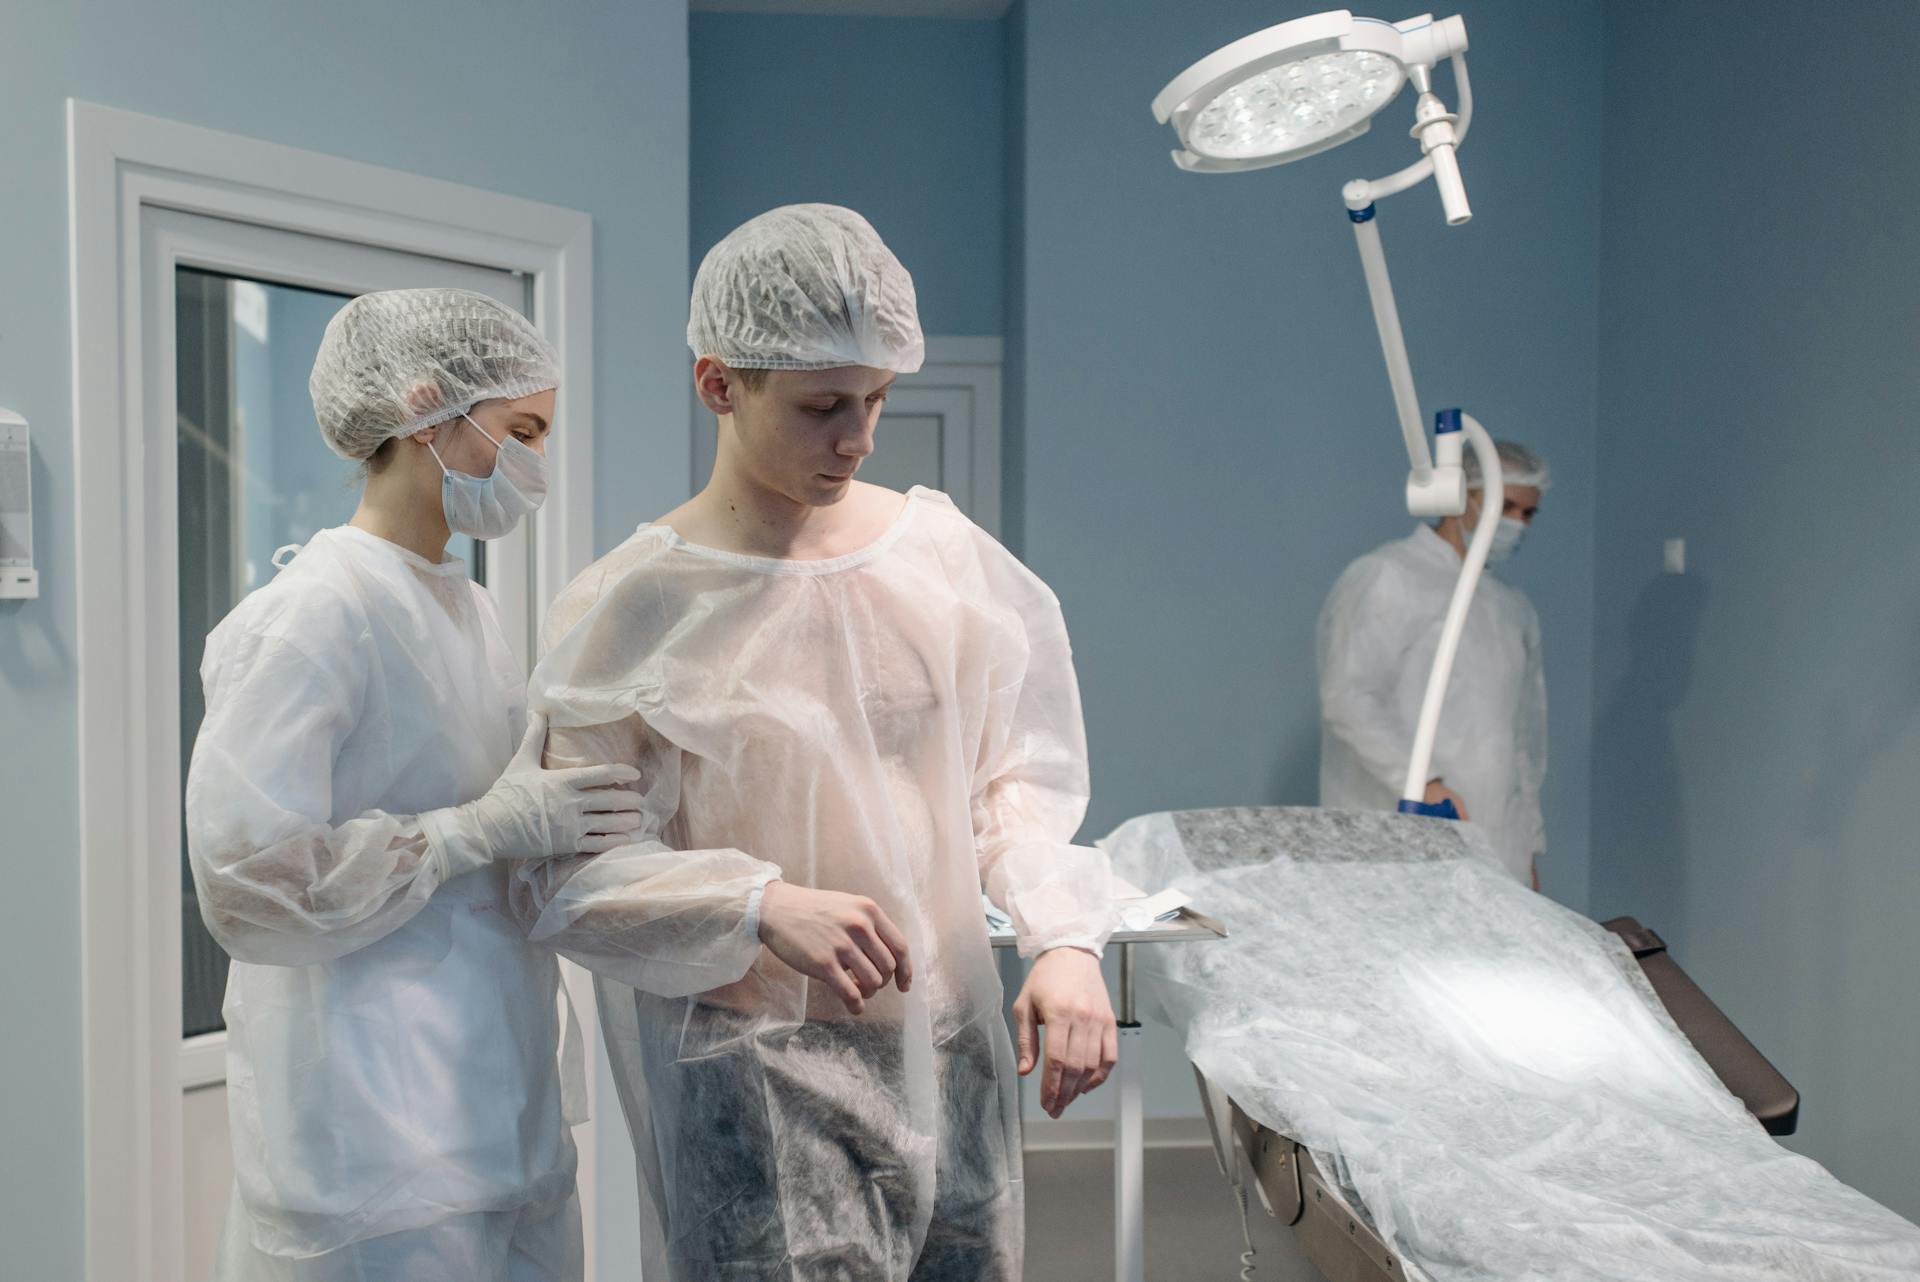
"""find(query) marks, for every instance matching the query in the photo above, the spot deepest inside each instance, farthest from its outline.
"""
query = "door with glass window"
(238, 311)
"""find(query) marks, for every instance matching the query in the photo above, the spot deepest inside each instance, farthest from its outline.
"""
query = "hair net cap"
(805, 287)
(1518, 466)
(398, 360)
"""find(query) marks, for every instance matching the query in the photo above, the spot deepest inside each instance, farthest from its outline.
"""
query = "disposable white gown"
(391, 1035)
(1489, 1075)
(901, 723)
(1377, 636)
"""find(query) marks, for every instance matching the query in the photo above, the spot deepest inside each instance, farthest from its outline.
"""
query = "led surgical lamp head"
(1305, 86)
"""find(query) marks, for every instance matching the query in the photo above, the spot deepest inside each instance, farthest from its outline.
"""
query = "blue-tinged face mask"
(488, 507)
(1506, 539)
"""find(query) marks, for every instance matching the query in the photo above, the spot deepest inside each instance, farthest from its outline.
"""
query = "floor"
(1193, 1221)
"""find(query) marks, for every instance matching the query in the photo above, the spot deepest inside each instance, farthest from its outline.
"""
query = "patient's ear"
(424, 398)
(715, 384)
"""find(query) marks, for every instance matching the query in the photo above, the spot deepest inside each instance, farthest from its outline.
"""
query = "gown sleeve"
(1363, 648)
(1532, 737)
(278, 880)
(1031, 790)
(665, 921)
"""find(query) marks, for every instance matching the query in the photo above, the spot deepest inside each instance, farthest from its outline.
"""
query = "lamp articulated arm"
(1436, 482)
(1451, 426)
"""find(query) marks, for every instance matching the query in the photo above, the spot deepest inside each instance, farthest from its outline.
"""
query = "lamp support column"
(1393, 342)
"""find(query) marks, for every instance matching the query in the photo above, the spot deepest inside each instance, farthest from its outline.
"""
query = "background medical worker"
(354, 800)
(1376, 640)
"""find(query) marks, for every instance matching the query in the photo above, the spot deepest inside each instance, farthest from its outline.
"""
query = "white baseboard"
(1044, 1134)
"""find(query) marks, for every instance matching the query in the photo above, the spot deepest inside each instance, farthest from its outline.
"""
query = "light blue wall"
(1758, 728)
(498, 95)
(1013, 426)
(900, 120)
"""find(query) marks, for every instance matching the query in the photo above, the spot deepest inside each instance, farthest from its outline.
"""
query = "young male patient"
(851, 709)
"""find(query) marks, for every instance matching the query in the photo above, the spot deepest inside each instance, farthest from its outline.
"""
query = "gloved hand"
(533, 813)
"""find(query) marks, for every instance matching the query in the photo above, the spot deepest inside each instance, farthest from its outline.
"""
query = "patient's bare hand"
(844, 941)
(1437, 792)
(1066, 992)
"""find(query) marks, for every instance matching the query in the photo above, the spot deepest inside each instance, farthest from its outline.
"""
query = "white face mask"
(488, 507)
(1506, 539)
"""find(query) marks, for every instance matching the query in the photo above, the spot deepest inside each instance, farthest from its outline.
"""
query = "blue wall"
(1013, 426)
(902, 121)
(1759, 718)
(498, 95)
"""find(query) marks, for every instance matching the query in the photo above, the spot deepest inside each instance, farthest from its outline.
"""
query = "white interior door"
(234, 317)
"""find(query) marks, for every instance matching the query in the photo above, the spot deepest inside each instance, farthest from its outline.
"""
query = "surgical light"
(1299, 106)
(1302, 87)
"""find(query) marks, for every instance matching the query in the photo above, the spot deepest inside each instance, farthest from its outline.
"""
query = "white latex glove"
(533, 813)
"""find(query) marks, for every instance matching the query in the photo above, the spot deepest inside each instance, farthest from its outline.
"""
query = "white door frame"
(960, 380)
(120, 162)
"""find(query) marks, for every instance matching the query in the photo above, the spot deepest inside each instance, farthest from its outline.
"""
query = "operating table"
(1439, 1075)
(1341, 1241)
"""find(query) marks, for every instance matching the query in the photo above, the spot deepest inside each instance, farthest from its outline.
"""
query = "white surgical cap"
(1518, 466)
(440, 349)
(805, 287)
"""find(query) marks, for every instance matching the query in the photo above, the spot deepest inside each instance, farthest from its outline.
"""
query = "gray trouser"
(797, 1158)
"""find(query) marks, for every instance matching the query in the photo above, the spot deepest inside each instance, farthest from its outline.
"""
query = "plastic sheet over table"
(1487, 1073)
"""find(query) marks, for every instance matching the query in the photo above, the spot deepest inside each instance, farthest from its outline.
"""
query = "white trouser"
(486, 1246)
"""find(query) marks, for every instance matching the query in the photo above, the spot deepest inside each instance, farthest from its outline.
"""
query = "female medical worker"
(851, 709)
(354, 805)
(1377, 636)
